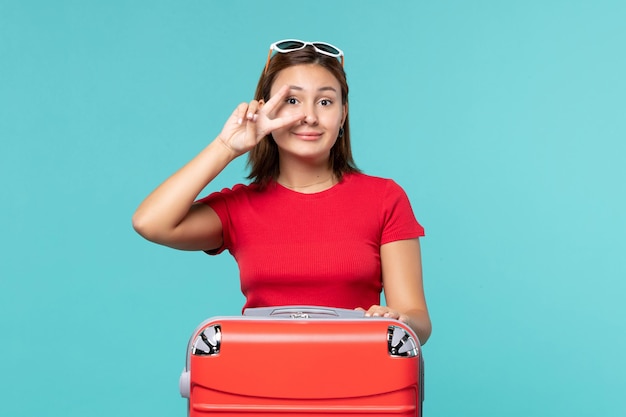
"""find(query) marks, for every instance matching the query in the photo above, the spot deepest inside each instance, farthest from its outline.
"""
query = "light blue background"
(504, 121)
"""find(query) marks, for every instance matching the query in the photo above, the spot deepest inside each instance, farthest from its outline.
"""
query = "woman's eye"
(291, 100)
(325, 102)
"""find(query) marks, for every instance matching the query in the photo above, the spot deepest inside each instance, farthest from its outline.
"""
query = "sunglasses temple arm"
(267, 63)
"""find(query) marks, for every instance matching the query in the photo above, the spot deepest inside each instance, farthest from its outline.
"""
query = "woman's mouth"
(308, 135)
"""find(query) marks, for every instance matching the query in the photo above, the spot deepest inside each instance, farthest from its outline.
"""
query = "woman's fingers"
(275, 101)
(383, 311)
(272, 124)
(267, 120)
(270, 109)
(237, 114)
(251, 126)
(240, 131)
(245, 111)
(251, 114)
(257, 119)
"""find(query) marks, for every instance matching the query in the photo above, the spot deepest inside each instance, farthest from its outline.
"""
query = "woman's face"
(315, 92)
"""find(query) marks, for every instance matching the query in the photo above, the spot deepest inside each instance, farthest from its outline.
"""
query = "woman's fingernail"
(239, 121)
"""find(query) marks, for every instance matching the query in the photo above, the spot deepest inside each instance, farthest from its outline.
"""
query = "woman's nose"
(310, 116)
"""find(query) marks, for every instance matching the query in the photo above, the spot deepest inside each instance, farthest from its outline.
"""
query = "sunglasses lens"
(290, 45)
(327, 48)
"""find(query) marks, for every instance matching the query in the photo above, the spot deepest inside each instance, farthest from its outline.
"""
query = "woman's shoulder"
(235, 192)
(360, 179)
(241, 189)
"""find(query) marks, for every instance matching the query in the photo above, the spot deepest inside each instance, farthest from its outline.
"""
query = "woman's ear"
(345, 114)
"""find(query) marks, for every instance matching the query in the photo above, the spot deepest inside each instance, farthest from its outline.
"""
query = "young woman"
(309, 229)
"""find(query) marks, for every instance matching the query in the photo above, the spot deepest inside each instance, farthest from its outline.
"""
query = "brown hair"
(263, 158)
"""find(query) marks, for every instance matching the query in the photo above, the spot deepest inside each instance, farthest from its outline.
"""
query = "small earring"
(340, 132)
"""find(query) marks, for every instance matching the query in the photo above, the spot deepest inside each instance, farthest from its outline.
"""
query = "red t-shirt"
(313, 249)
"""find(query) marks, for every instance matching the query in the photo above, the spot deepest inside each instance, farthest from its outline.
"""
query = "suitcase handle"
(303, 312)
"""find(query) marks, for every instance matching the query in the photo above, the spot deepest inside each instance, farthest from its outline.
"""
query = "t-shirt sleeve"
(217, 201)
(399, 222)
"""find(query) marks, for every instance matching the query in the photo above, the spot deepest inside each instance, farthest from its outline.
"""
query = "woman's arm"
(168, 215)
(404, 290)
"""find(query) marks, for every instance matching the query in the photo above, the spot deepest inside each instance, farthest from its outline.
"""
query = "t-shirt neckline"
(323, 193)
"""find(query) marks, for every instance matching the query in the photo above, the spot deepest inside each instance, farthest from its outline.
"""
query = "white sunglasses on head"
(290, 45)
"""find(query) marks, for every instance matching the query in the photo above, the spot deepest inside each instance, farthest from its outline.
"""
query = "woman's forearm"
(166, 207)
(419, 321)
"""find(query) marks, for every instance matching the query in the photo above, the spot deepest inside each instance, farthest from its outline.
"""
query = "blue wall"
(504, 122)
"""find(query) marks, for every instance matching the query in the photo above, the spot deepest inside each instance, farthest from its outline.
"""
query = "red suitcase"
(303, 361)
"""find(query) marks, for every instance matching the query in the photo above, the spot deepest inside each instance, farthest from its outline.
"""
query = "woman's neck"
(307, 179)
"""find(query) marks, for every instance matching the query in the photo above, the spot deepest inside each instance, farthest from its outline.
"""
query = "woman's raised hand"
(250, 122)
